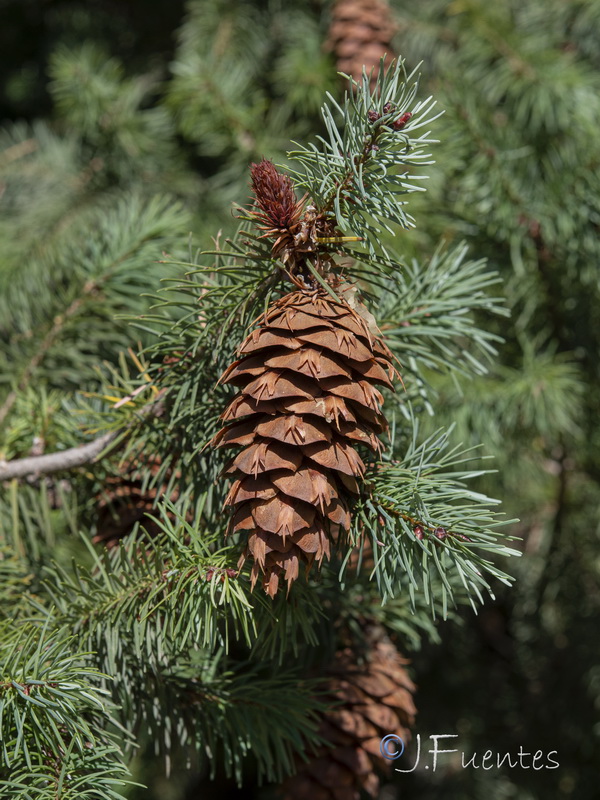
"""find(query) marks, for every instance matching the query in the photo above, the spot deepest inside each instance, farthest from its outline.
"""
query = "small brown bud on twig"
(462, 536)
(401, 121)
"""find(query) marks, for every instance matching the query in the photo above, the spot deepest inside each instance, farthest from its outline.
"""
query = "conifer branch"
(74, 457)
(359, 174)
(59, 461)
(423, 523)
(88, 290)
(53, 720)
(18, 150)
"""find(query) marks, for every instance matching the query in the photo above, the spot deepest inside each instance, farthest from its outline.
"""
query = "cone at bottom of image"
(368, 701)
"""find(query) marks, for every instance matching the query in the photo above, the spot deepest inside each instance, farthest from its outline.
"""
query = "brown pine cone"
(123, 502)
(307, 397)
(369, 702)
(361, 33)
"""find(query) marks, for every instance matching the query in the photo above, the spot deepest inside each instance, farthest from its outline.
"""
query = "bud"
(419, 532)
(373, 115)
(401, 121)
(462, 537)
(441, 533)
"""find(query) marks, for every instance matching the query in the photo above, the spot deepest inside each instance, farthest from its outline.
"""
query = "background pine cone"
(361, 33)
(124, 501)
(308, 397)
(369, 701)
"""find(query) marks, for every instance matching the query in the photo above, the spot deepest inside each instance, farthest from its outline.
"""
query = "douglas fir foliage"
(163, 640)
(517, 177)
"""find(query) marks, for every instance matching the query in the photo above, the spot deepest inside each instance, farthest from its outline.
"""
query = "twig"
(74, 456)
(55, 462)
(18, 150)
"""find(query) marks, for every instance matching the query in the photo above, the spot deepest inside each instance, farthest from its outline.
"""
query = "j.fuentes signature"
(392, 747)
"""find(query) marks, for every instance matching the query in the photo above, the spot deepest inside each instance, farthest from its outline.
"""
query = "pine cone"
(307, 397)
(360, 34)
(124, 502)
(369, 702)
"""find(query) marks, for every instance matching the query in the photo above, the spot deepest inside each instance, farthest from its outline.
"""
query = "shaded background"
(183, 96)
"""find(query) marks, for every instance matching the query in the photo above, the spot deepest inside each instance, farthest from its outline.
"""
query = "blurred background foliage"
(154, 110)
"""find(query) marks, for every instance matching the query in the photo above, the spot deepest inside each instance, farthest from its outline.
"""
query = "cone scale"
(307, 377)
